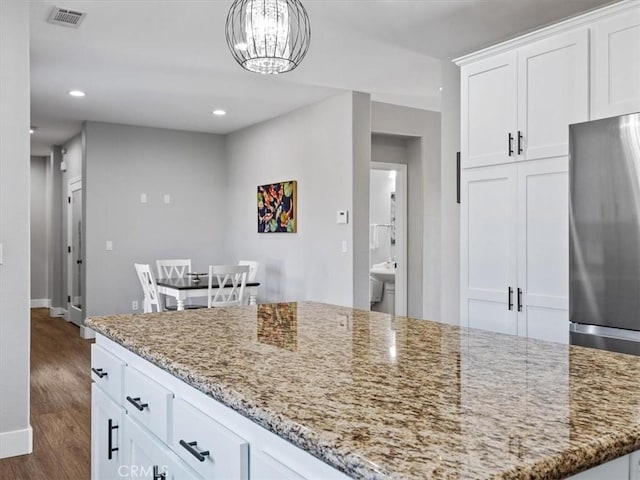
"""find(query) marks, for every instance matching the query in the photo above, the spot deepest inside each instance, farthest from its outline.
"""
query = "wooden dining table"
(183, 288)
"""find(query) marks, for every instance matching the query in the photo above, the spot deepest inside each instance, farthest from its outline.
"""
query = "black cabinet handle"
(510, 144)
(99, 372)
(136, 403)
(157, 475)
(190, 447)
(510, 298)
(519, 142)
(110, 448)
(519, 299)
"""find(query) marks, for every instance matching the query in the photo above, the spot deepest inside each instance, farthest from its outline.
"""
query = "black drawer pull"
(99, 372)
(519, 299)
(157, 475)
(110, 448)
(190, 447)
(136, 403)
(510, 298)
(510, 144)
(519, 142)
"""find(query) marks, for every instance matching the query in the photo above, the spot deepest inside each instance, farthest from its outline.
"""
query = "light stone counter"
(381, 397)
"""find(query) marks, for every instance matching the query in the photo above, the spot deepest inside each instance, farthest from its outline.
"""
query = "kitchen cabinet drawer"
(211, 449)
(147, 401)
(265, 467)
(145, 457)
(106, 371)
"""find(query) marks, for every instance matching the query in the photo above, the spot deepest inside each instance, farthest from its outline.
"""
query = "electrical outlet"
(134, 305)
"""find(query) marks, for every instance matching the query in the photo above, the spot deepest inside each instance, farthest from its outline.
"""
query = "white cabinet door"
(543, 249)
(146, 458)
(488, 264)
(489, 111)
(106, 433)
(553, 92)
(615, 71)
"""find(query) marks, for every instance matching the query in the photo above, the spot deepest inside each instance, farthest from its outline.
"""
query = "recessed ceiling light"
(440, 88)
(219, 112)
(32, 130)
(242, 46)
(77, 93)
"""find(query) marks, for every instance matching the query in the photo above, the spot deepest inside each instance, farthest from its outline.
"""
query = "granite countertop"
(381, 397)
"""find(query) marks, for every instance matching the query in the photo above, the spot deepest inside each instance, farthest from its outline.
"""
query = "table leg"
(180, 303)
(253, 295)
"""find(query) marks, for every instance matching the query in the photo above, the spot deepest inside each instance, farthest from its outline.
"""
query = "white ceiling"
(165, 63)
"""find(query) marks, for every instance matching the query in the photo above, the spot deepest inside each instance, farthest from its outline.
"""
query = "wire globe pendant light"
(268, 36)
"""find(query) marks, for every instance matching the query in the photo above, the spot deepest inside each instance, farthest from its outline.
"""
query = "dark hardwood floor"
(60, 404)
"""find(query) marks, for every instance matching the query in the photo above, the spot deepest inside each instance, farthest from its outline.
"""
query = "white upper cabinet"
(615, 72)
(489, 106)
(518, 105)
(553, 92)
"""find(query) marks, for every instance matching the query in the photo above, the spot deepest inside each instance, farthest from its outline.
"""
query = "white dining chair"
(253, 271)
(233, 278)
(149, 288)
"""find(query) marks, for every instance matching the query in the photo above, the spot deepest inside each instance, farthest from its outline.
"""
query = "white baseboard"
(57, 312)
(18, 442)
(40, 303)
(87, 333)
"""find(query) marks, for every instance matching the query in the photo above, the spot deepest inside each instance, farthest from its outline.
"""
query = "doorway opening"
(75, 265)
(388, 238)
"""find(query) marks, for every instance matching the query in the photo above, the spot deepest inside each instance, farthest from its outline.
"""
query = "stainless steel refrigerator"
(604, 225)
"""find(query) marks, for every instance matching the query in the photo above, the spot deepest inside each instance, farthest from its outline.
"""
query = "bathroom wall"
(380, 213)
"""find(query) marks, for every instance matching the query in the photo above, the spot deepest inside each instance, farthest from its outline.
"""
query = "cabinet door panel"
(105, 413)
(543, 248)
(615, 69)
(553, 92)
(489, 105)
(488, 246)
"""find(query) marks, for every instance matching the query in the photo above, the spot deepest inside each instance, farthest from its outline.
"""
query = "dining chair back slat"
(231, 281)
(177, 268)
(149, 288)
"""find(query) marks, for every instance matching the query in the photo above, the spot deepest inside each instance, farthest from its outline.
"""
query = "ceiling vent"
(66, 18)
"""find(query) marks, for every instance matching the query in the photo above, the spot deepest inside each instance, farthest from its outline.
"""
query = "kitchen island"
(369, 395)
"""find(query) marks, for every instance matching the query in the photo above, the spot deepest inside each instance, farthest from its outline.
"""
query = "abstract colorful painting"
(277, 207)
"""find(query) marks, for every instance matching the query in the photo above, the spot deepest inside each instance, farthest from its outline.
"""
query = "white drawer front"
(106, 371)
(207, 446)
(265, 467)
(147, 401)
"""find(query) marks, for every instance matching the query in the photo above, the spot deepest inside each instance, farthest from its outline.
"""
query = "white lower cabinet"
(515, 249)
(106, 427)
(162, 429)
(145, 457)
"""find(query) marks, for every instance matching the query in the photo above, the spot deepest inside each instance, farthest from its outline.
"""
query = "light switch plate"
(344, 246)
(342, 216)
(109, 245)
(143, 198)
(167, 198)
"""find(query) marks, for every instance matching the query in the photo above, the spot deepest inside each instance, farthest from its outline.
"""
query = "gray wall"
(74, 159)
(55, 227)
(423, 226)
(15, 431)
(312, 145)
(39, 235)
(121, 163)
(450, 209)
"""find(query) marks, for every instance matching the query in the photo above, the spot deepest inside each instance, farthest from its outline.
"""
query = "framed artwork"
(277, 209)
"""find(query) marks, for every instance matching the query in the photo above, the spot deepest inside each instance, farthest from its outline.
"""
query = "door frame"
(75, 315)
(402, 290)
